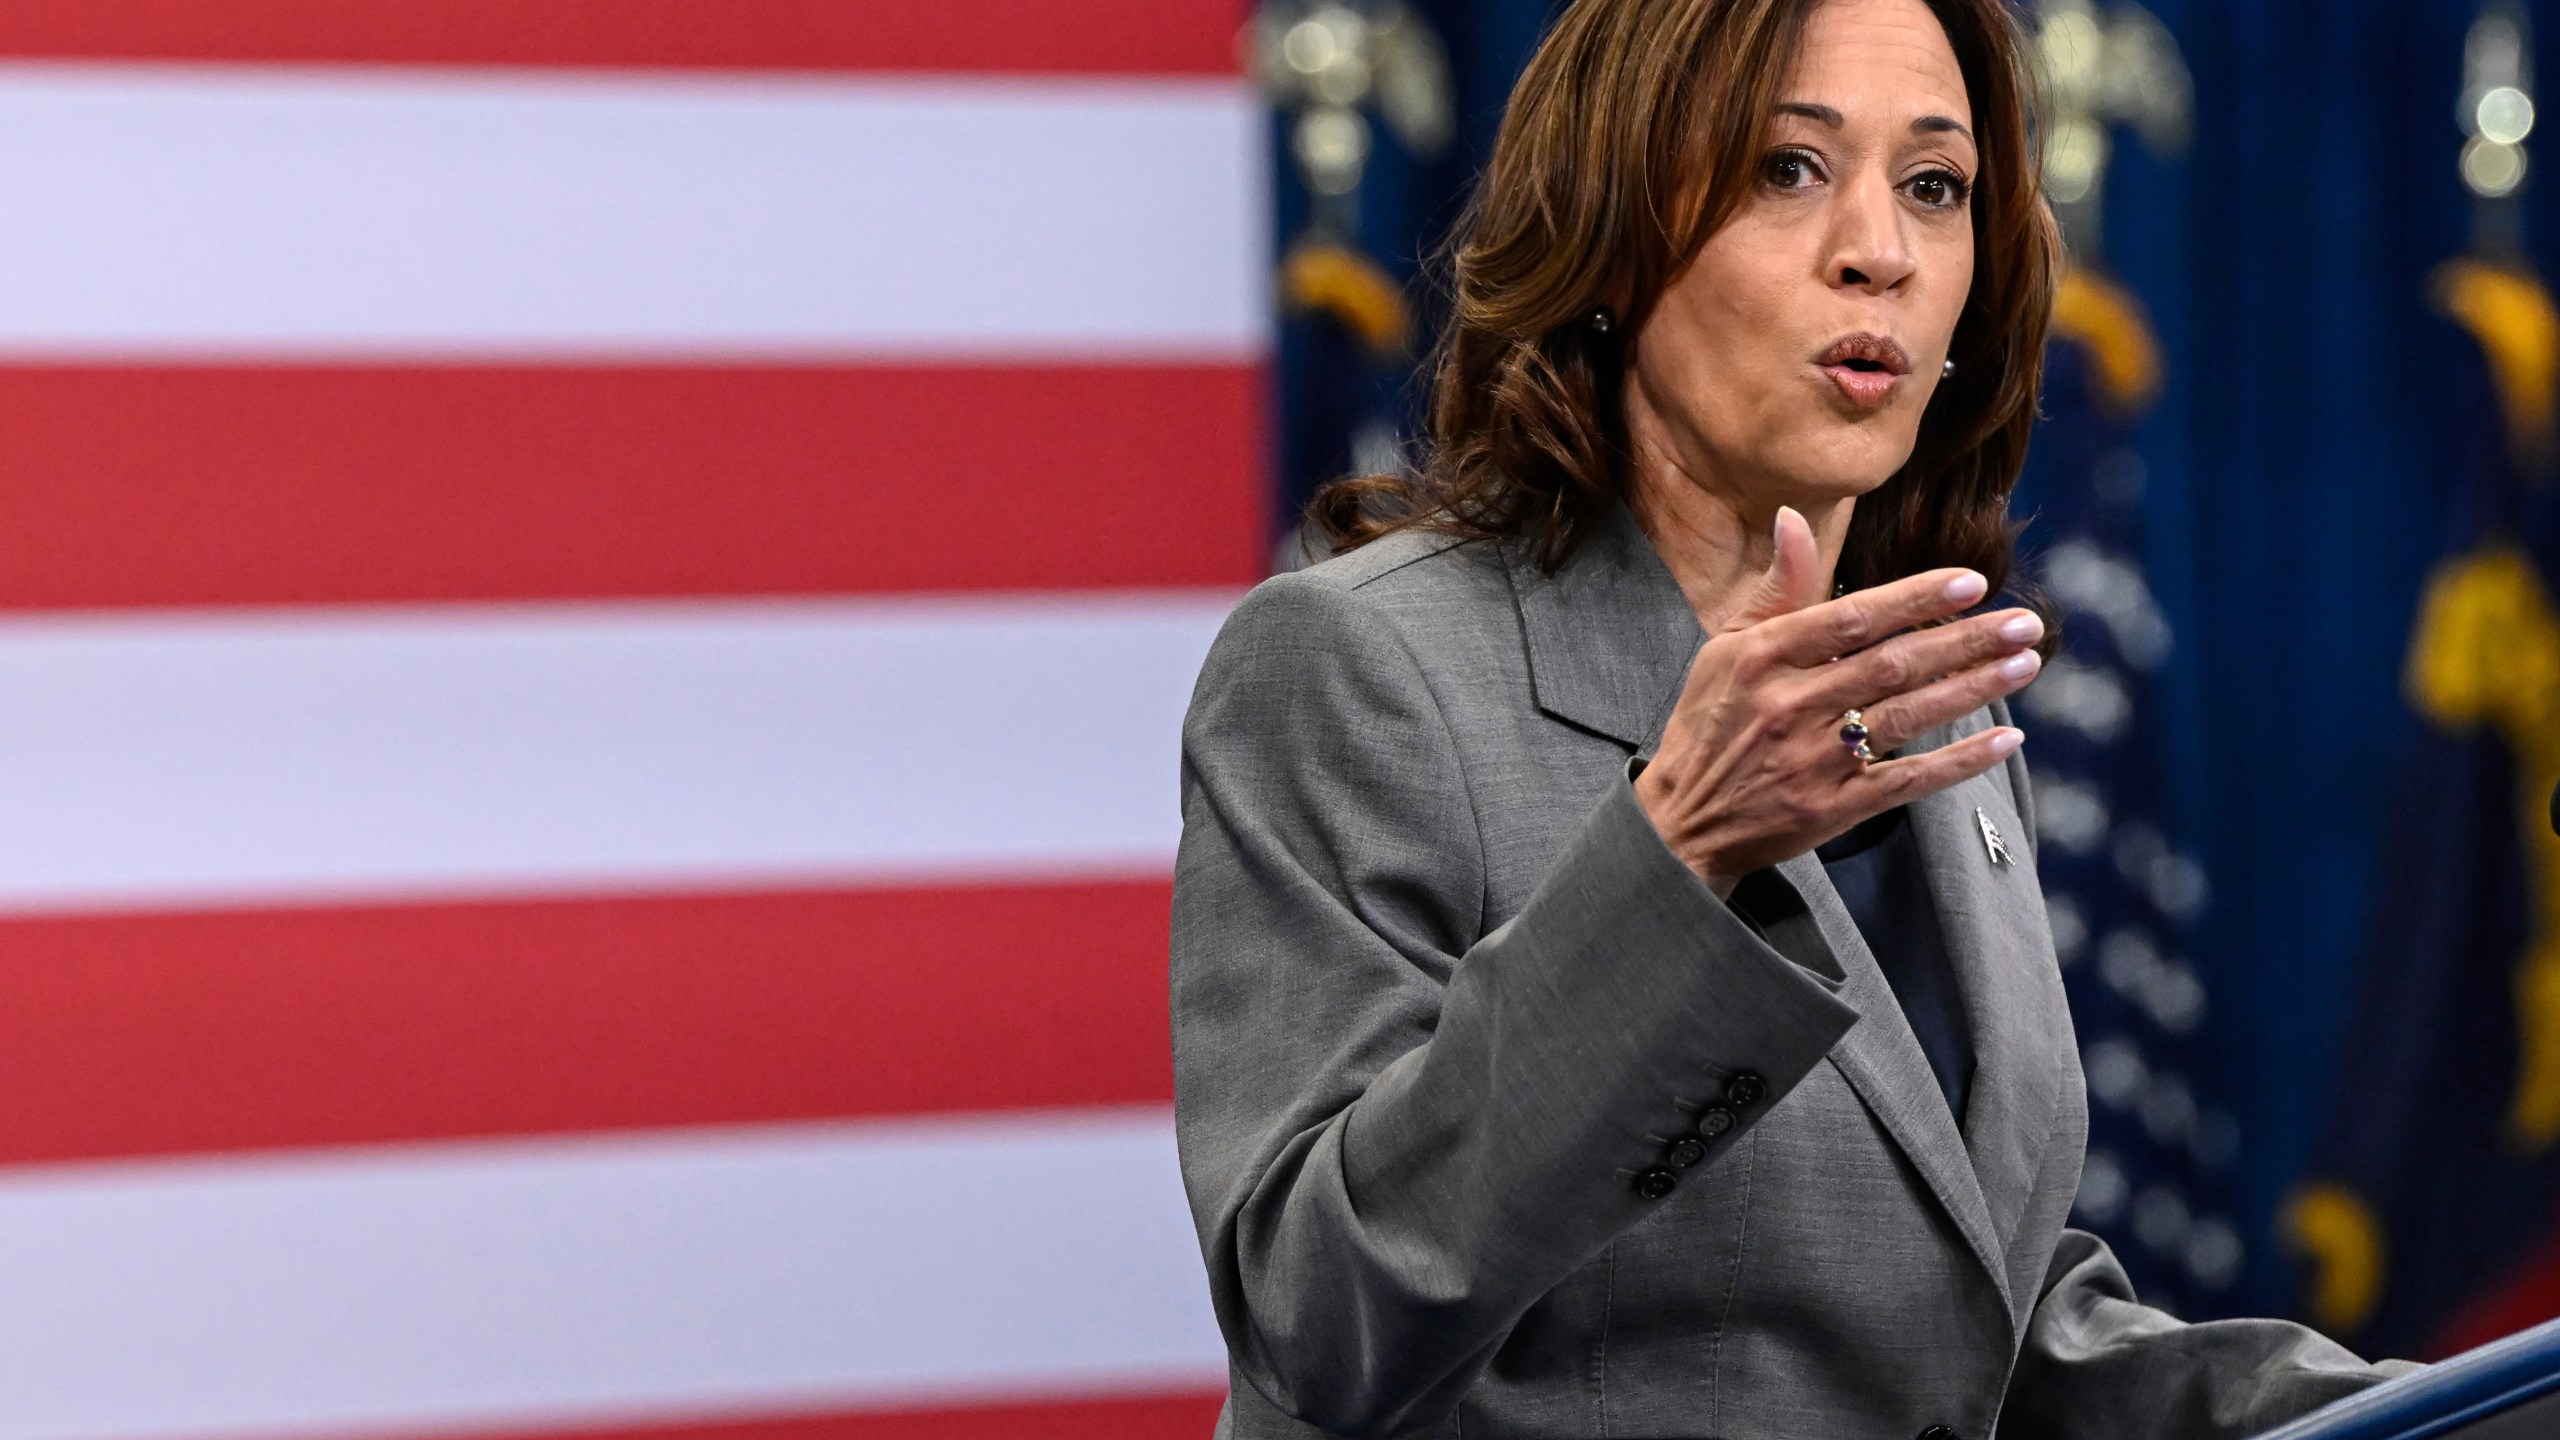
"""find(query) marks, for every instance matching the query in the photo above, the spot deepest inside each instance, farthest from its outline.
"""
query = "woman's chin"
(1843, 462)
(1852, 479)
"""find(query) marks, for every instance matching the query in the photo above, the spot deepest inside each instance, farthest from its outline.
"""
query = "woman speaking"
(1611, 990)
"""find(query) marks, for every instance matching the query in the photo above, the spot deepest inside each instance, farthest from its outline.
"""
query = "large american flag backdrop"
(595, 597)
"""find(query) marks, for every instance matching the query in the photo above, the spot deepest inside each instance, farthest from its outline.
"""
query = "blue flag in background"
(2431, 1217)
(2122, 897)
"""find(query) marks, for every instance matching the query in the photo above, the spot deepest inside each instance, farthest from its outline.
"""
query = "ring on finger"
(1855, 735)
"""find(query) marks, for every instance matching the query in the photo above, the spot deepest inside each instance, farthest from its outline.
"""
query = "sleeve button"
(1655, 1183)
(1714, 1121)
(1686, 1151)
(1744, 1090)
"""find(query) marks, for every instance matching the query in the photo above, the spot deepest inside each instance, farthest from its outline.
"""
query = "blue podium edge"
(2473, 1385)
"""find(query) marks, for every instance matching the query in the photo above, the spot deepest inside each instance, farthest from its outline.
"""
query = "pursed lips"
(1865, 367)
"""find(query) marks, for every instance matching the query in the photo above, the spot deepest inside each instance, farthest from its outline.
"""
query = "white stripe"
(236, 211)
(596, 1281)
(245, 757)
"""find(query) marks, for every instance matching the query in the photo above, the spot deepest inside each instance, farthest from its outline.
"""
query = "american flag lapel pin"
(1992, 844)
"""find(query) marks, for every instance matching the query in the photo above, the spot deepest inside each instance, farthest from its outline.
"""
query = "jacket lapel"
(1885, 1065)
(2002, 951)
(1609, 634)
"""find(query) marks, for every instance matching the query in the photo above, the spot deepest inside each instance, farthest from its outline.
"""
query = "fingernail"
(1778, 526)
(2021, 629)
(1966, 588)
(2004, 741)
(2020, 666)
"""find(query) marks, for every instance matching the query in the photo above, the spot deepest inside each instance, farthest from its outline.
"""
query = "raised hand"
(1752, 769)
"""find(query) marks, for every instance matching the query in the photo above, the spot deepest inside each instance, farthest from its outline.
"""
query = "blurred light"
(1330, 48)
(2493, 53)
(2160, 1218)
(2175, 998)
(2491, 169)
(2503, 116)
(2070, 814)
(2126, 961)
(2178, 886)
(2143, 81)
(2168, 1110)
(2115, 1073)
(2070, 929)
(2090, 581)
(1333, 148)
(2088, 698)
(1309, 46)
(2167, 989)
(2075, 154)
(2072, 44)
(1414, 91)
(2214, 1253)
(1344, 83)
(2102, 1189)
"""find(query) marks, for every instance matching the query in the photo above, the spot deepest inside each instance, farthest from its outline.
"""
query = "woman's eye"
(1789, 170)
(1939, 190)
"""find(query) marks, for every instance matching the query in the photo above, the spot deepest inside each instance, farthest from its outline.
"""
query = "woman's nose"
(1868, 250)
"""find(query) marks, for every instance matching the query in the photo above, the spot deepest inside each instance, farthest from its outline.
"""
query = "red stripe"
(159, 485)
(152, 1034)
(1185, 37)
(2529, 1296)
(1154, 1417)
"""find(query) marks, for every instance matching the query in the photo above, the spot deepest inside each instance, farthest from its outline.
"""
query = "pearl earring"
(1946, 370)
(1601, 321)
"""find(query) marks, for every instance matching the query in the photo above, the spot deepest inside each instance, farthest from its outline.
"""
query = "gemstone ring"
(1854, 734)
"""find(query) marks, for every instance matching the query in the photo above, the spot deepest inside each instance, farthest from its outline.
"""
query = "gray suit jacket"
(1440, 996)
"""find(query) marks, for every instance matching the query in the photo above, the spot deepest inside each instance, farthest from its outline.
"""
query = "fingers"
(1888, 783)
(1822, 633)
(1908, 661)
(1794, 577)
(1891, 723)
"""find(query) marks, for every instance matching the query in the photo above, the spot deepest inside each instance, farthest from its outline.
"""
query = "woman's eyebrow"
(1824, 114)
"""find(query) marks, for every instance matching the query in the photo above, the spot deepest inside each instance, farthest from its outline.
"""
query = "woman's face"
(1790, 362)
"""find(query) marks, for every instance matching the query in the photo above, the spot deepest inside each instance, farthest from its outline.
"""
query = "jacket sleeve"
(1397, 1131)
(2097, 1365)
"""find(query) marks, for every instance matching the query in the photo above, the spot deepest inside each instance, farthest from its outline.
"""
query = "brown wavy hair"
(1637, 130)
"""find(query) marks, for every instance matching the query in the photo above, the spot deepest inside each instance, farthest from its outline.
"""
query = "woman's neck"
(1711, 533)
